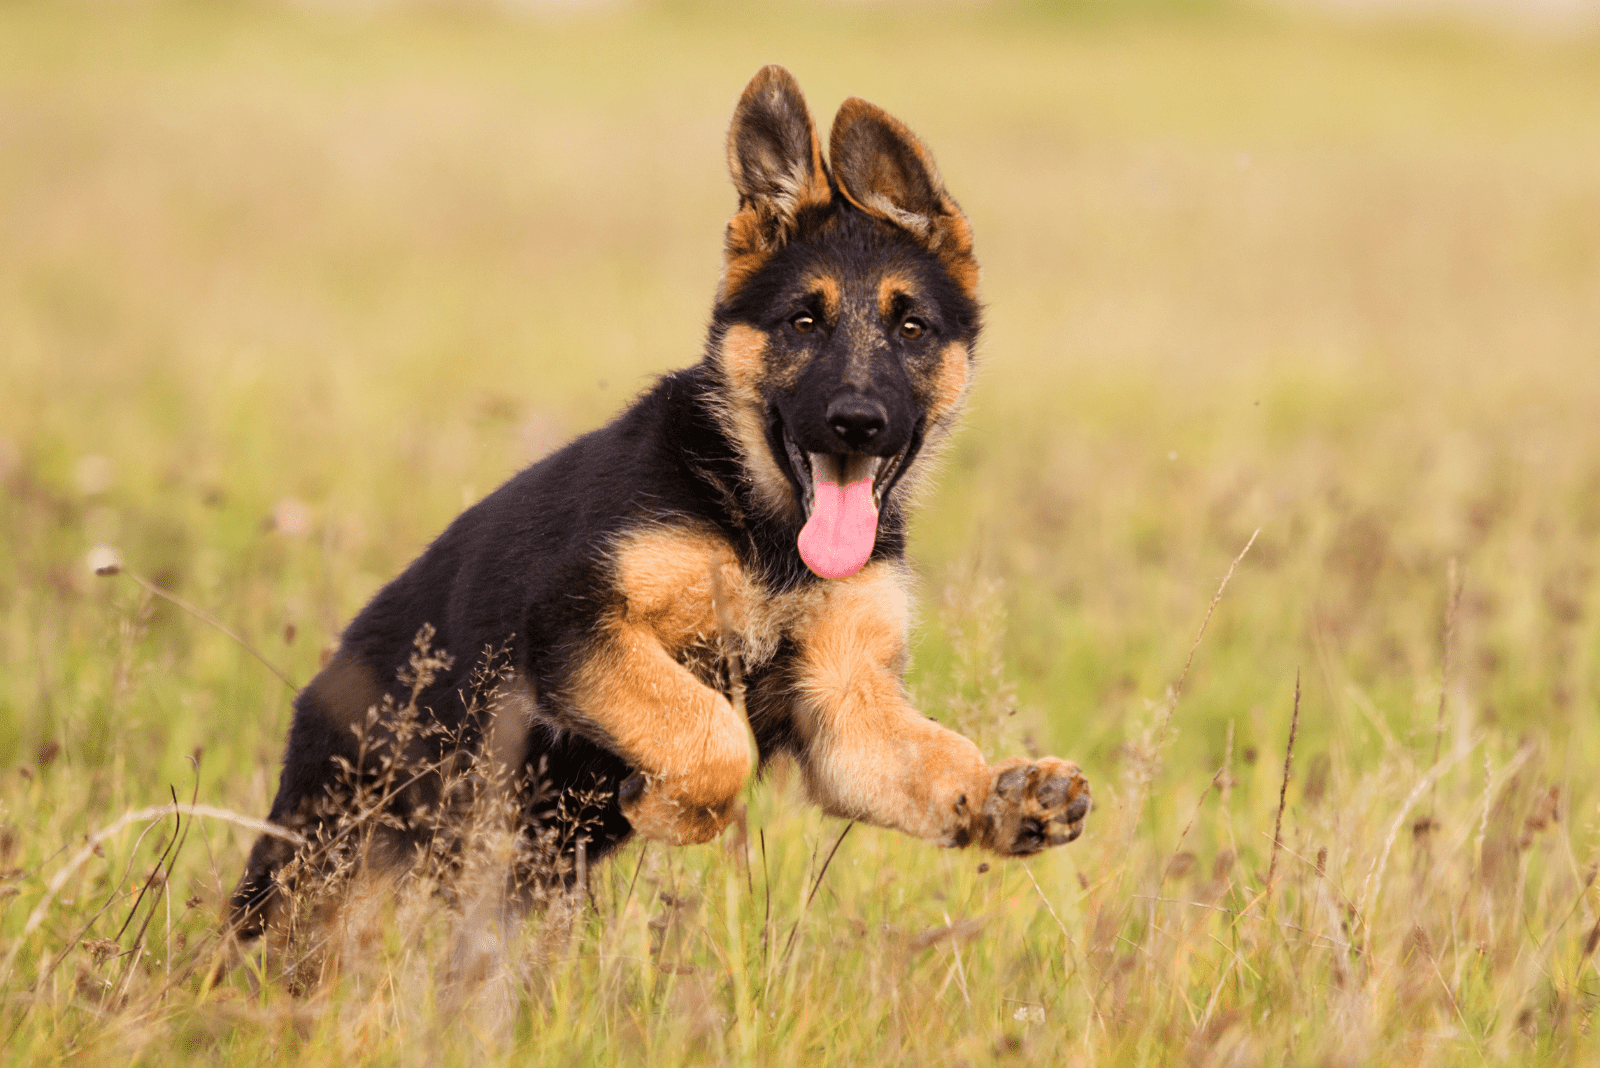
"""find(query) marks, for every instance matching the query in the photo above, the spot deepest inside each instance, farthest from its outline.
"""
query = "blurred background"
(284, 286)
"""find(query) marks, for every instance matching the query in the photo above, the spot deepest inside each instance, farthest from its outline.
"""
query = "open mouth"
(841, 495)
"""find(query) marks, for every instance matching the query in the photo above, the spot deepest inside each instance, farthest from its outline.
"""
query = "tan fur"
(947, 386)
(827, 287)
(690, 587)
(891, 287)
(953, 245)
(766, 219)
(744, 253)
(742, 359)
(865, 752)
(869, 754)
(693, 748)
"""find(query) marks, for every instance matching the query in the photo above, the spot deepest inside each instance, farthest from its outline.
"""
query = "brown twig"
(200, 614)
(1215, 784)
(766, 882)
(155, 871)
(1283, 790)
(828, 860)
(180, 834)
(1177, 689)
(815, 886)
(111, 898)
(637, 868)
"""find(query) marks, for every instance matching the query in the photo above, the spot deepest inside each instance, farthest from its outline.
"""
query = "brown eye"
(803, 323)
(912, 329)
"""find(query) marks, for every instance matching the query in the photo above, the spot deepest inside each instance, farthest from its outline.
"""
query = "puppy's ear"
(885, 171)
(776, 163)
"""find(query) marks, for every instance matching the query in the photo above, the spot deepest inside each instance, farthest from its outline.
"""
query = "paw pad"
(1035, 804)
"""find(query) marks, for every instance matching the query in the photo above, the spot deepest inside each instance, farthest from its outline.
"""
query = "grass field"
(282, 288)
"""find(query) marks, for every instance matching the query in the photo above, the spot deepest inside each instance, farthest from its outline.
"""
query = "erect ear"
(885, 171)
(776, 163)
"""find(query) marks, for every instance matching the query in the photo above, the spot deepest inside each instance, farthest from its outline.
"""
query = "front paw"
(674, 809)
(1033, 804)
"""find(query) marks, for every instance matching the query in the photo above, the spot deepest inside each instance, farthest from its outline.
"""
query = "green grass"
(281, 288)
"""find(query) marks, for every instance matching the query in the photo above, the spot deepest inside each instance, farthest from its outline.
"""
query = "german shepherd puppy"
(718, 576)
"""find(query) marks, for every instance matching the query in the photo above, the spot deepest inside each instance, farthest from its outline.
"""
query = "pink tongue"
(838, 537)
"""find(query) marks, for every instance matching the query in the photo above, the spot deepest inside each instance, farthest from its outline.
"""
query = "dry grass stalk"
(199, 613)
(1177, 689)
(1152, 757)
(92, 847)
(1283, 790)
(468, 844)
(1454, 584)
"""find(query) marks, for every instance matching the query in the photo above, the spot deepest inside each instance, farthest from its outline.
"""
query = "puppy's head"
(846, 317)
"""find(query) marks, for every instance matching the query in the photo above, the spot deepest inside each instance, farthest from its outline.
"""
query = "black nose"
(856, 419)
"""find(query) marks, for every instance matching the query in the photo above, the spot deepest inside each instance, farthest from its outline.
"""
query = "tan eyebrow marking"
(827, 287)
(891, 287)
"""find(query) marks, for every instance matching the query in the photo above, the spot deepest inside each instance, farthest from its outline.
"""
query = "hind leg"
(326, 715)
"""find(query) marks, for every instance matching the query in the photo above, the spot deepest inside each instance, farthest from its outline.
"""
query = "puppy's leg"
(869, 755)
(691, 750)
(323, 734)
